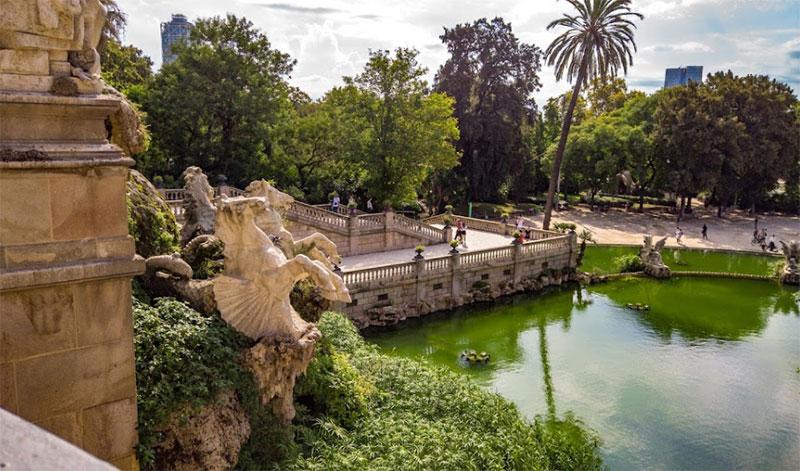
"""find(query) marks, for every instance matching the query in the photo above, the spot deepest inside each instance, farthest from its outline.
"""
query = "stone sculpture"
(56, 38)
(198, 205)
(791, 271)
(253, 292)
(316, 246)
(650, 254)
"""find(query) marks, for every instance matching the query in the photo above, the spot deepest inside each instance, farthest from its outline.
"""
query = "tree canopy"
(215, 106)
(492, 76)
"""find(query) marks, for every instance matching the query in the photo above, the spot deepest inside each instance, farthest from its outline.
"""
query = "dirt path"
(733, 232)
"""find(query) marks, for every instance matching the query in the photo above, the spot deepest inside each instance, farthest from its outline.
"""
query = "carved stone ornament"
(650, 254)
(198, 205)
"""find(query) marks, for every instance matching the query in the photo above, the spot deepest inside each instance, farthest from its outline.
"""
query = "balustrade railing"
(420, 228)
(386, 272)
(313, 214)
(554, 246)
(371, 221)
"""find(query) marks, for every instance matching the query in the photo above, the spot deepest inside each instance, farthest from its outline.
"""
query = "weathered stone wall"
(66, 260)
(388, 295)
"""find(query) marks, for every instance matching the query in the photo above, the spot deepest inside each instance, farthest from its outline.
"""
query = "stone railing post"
(388, 226)
(420, 272)
(352, 235)
(447, 234)
(456, 278)
(573, 249)
(517, 265)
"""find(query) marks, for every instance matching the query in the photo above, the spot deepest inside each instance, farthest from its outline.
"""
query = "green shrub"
(150, 219)
(381, 412)
(563, 227)
(628, 263)
(182, 358)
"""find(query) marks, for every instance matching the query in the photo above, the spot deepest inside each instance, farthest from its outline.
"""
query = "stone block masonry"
(66, 262)
(389, 294)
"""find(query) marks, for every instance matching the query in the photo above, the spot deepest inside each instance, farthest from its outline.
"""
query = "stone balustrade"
(495, 227)
(387, 294)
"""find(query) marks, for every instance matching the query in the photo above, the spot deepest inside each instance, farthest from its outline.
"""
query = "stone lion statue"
(198, 205)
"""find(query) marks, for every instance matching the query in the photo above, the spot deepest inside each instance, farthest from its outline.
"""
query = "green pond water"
(706, 379)
(600, 259)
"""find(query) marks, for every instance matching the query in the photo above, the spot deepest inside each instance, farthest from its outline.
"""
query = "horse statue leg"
(324, 245)
(331, 286)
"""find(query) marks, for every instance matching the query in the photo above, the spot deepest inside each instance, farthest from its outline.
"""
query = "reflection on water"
(707, 379)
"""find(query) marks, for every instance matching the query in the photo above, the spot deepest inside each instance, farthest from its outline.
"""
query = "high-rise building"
(682, 75)
(173, 31)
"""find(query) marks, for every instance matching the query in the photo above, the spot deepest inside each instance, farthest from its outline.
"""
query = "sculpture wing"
(660, 244)
(242, 304)
(787, 249)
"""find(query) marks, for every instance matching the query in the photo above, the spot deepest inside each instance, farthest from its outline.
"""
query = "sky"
(332, 38)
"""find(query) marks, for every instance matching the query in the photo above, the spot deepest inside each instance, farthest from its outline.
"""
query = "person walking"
(678, 234)
(459, 230)
(772, 245)
(705, 232)
(335, 202)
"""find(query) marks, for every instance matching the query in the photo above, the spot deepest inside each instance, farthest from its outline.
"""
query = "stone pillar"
(352, 236)
(456, 288)
(420, 285)
(388, 233)
(517, 265)
(66, 259)
(573, 249)
(447, 234)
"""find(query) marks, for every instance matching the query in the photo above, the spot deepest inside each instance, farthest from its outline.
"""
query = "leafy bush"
(563, 227)
(182, 357)
(380, 412)
(150, 219)
(628, 263)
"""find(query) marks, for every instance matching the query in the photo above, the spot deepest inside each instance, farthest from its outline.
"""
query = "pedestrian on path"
(678, 234)
(705, 232)
(335, 202)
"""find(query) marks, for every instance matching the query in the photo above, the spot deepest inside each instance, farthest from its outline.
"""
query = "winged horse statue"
(252, 293)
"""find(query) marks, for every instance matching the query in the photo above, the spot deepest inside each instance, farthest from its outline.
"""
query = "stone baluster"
(517, 265)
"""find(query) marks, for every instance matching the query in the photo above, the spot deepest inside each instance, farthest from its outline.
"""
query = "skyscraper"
(171, 32)
(682, 75)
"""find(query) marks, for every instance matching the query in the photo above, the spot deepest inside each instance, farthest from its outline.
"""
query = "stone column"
(447, 234)
(456, 288)
(352, 236)
(388, 233)
(517, 265)
(66, 259)
(573, 249)
(420, 285)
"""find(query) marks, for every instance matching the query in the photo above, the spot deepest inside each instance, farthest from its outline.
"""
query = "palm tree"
(597, 43)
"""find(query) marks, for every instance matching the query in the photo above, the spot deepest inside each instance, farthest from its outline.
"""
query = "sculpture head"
(196, 182)
(275, 198)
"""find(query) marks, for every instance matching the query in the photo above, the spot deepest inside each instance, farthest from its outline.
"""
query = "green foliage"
(307, 300)
(391, 413)
(419, 248)
(628, 263)
(182, 358)
(392, 127)
(214, 107)
(564, 227)
(492, 76)
(125, 67)
(150, 220)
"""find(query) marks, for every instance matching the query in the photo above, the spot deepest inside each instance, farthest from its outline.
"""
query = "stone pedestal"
(66, 263)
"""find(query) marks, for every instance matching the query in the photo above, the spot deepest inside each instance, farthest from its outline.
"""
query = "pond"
(708, 378)
(600, 259)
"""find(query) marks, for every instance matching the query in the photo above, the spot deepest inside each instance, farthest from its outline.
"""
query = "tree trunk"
(555, 173)
(680, 208)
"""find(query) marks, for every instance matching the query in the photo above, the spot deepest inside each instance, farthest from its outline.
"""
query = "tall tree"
(606, 94)
(492, 77)
(215, 106)
(393, 126)
(597, 42)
